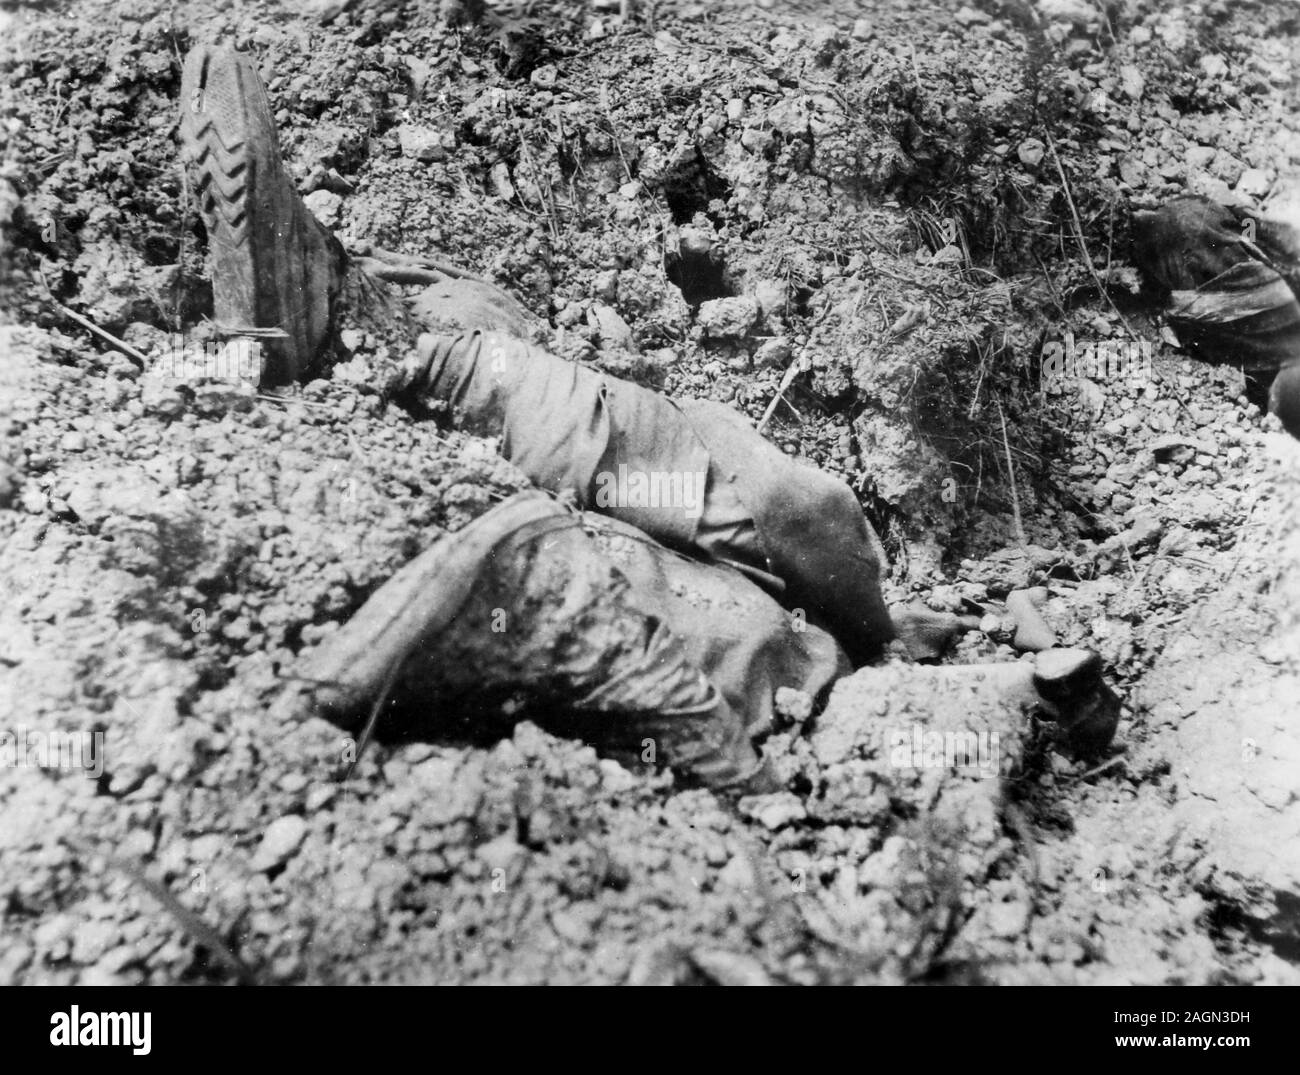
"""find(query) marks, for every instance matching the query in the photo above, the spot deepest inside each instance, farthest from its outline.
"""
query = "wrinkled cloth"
(1228, 295)
(742, 640)
(563, 424)
(1190, 240)
(576, 431)
(532, 607)
(1246, 312)
(1231, 282)
(462, 305)
(809, 530)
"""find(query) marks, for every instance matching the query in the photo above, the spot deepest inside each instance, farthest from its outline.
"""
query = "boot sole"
(273, 267)
(224, 111)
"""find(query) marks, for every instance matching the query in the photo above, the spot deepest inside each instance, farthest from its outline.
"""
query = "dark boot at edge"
(273, 265)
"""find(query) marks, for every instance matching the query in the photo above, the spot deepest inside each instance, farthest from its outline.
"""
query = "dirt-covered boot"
(1284, 398)
(1064, 684)
(273, 265)
(1072, 691)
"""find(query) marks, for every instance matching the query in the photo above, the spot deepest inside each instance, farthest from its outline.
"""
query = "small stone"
(54, 935)
(117, 364)
(772, 296)
(862, 29)
(728, 318)
(793, 704)
(423, 143)
(502, 185)
(613, 777)
(221, 396)
(93, 939)
(281, 840)
(1080, 13)
(1031, 152)
(1254, 183)
(11, 483)
(293, 782)
(544, 77)
(114, 960)
(731, 968)
(738, 873)
(662, 359)
(773, 811)
(572, 927)
(824, 37)
(694, 242)
(1145, 530)
(605, 286)
(498, 854)
(73, 441)
(1131, 81)
(325, 206)
(773, 353)
(1007, 919)
(1214, 66)
(613, 330)
(318, 798)
(158, 397)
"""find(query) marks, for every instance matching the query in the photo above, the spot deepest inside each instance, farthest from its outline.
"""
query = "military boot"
(276, 271)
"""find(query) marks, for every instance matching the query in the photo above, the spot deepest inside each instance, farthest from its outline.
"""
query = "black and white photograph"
(650, 492)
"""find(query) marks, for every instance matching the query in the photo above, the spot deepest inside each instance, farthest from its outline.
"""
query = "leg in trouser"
(793, 529)
(520, 609)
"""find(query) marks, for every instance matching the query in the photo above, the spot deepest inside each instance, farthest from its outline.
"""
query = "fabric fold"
(694, 475)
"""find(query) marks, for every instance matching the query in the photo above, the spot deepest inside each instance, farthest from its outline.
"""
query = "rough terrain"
(881, 213)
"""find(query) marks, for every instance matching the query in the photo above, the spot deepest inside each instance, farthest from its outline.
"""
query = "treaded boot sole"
(272, 265)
